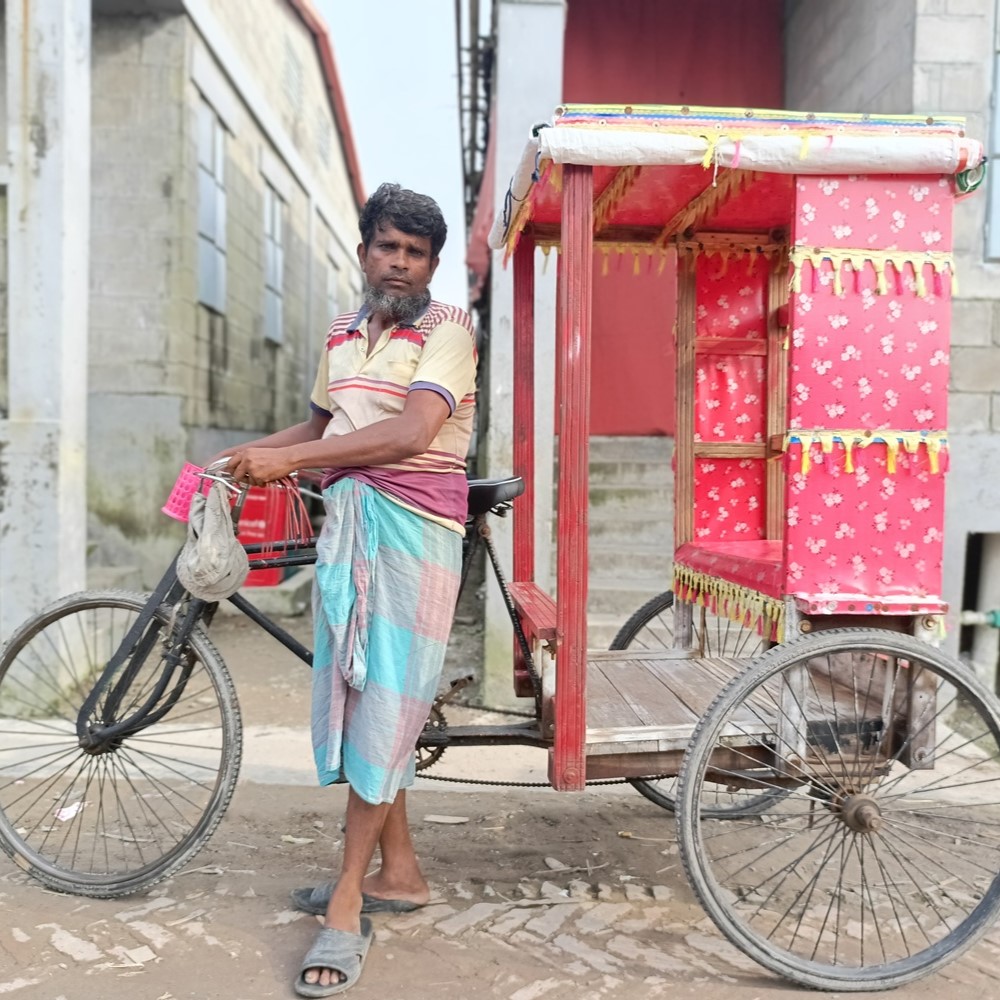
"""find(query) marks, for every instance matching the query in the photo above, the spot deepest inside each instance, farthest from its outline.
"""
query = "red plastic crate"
(265, 514)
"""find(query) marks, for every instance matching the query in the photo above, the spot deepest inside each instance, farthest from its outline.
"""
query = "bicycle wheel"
(652, 627)
(109, 823)
(884, 862)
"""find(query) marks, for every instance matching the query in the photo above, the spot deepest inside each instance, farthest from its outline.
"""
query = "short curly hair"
(407, 211)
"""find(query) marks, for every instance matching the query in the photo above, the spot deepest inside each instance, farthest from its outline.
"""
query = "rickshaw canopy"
(663, 169)
(814, 274)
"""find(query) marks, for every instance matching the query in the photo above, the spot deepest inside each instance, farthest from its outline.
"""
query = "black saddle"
(485, 494)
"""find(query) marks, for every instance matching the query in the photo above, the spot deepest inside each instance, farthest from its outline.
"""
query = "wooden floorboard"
(642, 701)
(648, 700)
(646, 693)
(605, 707)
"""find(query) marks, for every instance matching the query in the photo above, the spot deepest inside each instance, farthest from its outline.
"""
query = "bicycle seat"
(485, 494)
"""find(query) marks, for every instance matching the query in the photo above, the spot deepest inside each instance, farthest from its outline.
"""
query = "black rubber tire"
(841, 895)
(662, 792)
(45, 672)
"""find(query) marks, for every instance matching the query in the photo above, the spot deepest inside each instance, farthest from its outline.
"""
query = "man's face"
(398, 264)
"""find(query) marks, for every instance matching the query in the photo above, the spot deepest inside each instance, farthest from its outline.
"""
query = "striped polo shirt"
(436, 351)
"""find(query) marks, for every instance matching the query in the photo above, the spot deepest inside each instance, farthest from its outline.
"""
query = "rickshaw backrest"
(866, 444)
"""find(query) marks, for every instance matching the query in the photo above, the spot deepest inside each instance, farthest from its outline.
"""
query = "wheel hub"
(95, 743)
(861, 814)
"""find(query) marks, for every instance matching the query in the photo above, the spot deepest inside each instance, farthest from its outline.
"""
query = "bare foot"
(380, 886)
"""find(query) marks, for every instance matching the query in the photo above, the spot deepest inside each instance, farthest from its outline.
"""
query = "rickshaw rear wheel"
(652, 627)
(883, 864)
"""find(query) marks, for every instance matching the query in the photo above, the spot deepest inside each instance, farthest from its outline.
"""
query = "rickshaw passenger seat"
(755, 564)
(485, 494)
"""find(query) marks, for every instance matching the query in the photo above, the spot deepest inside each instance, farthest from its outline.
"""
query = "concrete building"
(179, 193)
(901, 56)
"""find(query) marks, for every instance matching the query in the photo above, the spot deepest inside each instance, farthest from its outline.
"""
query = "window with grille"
(211, 209)
(274, 265)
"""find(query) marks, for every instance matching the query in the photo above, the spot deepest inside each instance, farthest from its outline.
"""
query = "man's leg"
(399, 876)
(361, 835)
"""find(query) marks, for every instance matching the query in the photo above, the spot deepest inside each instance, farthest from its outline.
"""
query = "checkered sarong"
(383, 603)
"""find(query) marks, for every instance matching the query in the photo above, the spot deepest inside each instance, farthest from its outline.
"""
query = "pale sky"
(398, 69)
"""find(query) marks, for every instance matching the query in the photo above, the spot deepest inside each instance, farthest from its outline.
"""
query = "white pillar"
(43, 516)
(528, 90)
(986, 640)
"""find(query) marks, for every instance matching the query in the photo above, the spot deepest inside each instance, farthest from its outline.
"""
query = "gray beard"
(396, 308)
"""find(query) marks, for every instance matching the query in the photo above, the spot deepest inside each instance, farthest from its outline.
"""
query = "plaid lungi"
(383, 602)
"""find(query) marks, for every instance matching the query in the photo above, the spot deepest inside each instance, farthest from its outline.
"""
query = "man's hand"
(258, 466)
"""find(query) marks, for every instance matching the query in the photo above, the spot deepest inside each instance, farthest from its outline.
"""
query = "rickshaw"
(833, 772)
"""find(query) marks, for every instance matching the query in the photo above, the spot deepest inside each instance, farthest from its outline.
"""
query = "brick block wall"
(170, 380)
(282, 51)
(4, 393)
(849, 55)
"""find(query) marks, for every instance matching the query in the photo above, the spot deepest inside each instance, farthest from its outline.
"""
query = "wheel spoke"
(884, 860)
(131, 810)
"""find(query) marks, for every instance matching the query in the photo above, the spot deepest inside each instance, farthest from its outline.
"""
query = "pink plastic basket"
(179, 502)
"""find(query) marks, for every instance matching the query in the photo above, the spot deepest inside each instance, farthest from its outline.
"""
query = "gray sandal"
(315, 899)
(340, 951)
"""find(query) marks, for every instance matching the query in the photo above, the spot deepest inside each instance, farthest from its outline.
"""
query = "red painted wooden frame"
(524, 440)
(567, 770)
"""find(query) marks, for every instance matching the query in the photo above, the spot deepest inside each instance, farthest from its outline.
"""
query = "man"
(391, 419)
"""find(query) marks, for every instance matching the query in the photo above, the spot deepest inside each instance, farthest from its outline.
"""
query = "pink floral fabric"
(868, 387)
(878, 212)
(865, 361)
(729, 396)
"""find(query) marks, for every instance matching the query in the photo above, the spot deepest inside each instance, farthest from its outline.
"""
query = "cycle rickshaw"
(835, 775)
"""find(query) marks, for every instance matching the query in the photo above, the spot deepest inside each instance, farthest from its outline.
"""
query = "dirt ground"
(537, 895)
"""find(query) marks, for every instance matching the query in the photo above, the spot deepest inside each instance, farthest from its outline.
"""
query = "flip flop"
(315, 899)
(339, 950)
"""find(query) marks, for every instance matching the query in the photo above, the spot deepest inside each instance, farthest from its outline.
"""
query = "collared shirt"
(437, 352)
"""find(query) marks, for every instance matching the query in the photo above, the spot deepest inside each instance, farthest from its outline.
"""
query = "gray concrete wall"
(47, 178)
(4, 391)
(282, 53)
(529, 87)
(849, 55)
(138, 207)
(4, 159)
(170, 380)
(926, 57)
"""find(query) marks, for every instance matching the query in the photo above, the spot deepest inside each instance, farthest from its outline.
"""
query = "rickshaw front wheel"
(883, 862)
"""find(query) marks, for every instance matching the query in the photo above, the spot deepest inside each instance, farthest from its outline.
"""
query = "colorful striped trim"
(941, 262)
(752, 119)
(936, 443)
(730, 600)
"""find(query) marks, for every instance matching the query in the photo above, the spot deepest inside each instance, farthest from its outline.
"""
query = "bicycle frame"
(148, 631)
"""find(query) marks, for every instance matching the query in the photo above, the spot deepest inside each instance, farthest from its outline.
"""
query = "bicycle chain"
(536, 684)
(523, 784)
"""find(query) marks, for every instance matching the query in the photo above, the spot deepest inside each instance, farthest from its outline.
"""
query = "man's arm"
(382, 443)
(308, 430)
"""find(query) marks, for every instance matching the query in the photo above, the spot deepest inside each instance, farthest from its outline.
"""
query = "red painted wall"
(708, 52)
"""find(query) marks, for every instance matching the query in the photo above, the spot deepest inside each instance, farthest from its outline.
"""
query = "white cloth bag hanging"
(212, 565)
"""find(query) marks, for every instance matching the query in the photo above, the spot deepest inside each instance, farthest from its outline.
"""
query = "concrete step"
(622, 561)
(613, 499)
(602, 627)
(629, 473)
(655, 530)
(621, 598)
(287, 599)
(634, 449)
